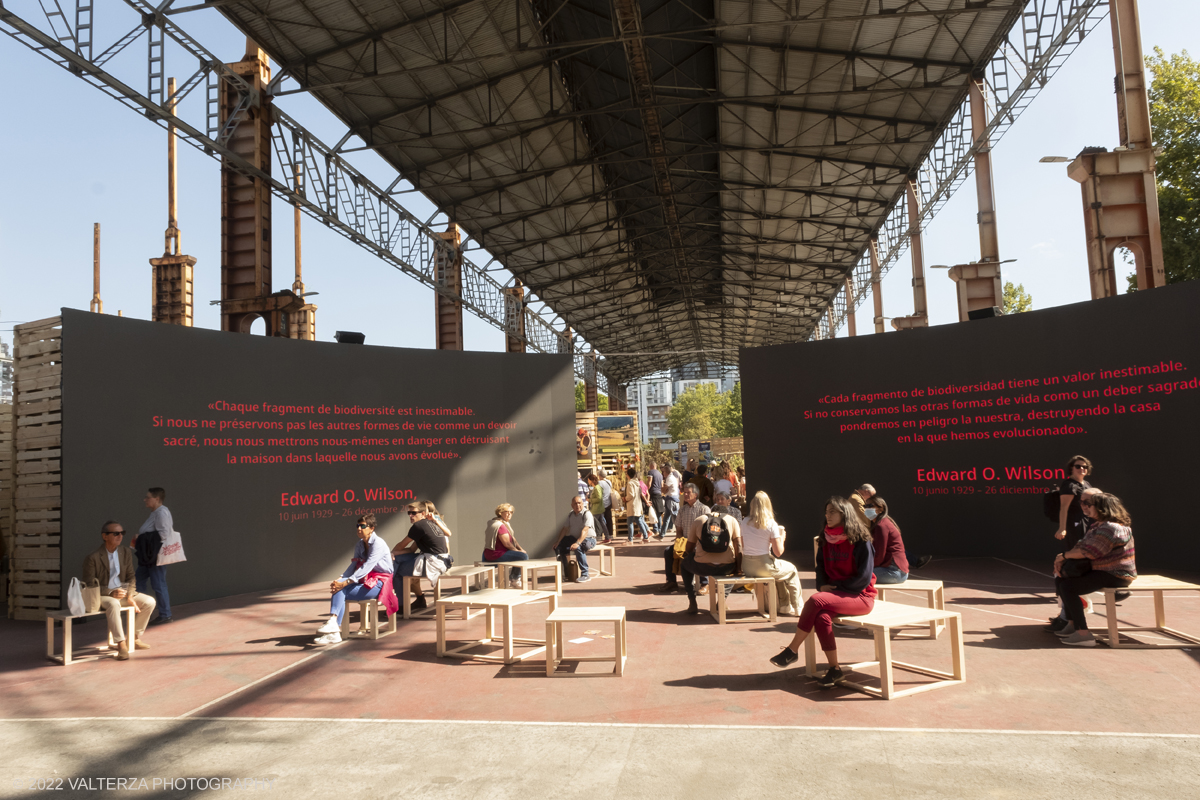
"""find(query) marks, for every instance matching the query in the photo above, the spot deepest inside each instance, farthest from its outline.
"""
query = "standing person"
(763, 540)
(606, 489)
(633, 505)
(111, 566)
(424, 553)
(689, 510)
(147, 544)
(500, 543)
(722, 482)
(741, 478)
(368, 576)
(656, 497)
(707, 491)
(845, 581)
(689, 472)
(670, 501)
(891, 563)
(714, 546)
(1071, 526)
(581, 488)
(676, 473)
(595, 504)
(1108, 547)
(577, 536)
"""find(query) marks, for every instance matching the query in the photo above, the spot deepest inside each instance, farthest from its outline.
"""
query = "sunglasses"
(414, 513)
(363, 526)
(114, 533)
(1079, 466)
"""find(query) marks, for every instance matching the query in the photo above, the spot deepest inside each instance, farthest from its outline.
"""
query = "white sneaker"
(329, 638)
(330, 626)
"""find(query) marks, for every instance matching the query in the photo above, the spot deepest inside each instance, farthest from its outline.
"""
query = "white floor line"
(227, 695)
(1027, 569)
(627, 725)
(989, 611)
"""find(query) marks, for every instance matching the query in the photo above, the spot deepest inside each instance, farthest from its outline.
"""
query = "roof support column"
(876, 289)
(447, 273)
(589, 383)
(514, 318)
(916, 246)
(619, 399)
(851, 326)
(173, 300)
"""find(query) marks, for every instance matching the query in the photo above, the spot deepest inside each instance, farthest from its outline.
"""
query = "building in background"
(6, 374)
(653, 396)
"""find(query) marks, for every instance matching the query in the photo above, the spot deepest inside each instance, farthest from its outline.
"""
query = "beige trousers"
(787, 577)
(111, 607)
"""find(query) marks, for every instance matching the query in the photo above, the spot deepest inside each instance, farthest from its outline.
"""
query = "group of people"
(123, 574)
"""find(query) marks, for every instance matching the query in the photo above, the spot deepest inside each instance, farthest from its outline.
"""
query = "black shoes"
(667, 588)
(830, 678)
(692, 607)
(162, 620)
(1122, 595)
(1056, 625)
(419, 603)
(920, 562)
(786, 658)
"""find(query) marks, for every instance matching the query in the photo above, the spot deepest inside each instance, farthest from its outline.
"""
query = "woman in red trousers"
(845, 582)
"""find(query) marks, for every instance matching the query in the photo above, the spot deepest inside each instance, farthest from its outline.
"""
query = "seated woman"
(500, 543)
(762, 550)
(845, 581)
(596, 506)
(368, 576)
(1109, 547)
(891, 566)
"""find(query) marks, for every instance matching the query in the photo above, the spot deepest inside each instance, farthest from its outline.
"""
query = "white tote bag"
(171, 551)
(75, 598)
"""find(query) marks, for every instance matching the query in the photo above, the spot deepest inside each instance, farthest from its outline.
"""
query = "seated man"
(714, 547)
(424, 552)
(112, 567)
(577, 536)
(688, 512)
(368, 576)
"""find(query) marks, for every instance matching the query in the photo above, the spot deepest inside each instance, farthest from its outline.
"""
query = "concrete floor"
(233, 688)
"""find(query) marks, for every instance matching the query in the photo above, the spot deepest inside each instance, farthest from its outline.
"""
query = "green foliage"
(581, 398)
(1175, 118)
(703, 413)
(1016, 299)
(729, 414)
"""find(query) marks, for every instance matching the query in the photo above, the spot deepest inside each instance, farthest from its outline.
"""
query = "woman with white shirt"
(762, 546)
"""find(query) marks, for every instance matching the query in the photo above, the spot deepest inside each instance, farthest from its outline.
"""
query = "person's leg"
(111, 607)
(514, 555)
(889, 574)
(629, 519)
(158, 581)
(668, 517)
(141, 576)
(608, 523)
(581, 555)
(337, 604)
(147, 605)
(353, 593)
(787, 583)
(669, 566)
(689, 581)
(1072, 590)
(642, 525)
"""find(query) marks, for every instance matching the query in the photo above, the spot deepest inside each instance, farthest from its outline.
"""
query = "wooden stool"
(66, 617)
(533, 566)
(934, 598)
(463, 575)
(764, 596)
(881, 620)
(493, 600)
(368, 621)
(605, 550)
(405, 594)
(1156, 584)
(555, 643)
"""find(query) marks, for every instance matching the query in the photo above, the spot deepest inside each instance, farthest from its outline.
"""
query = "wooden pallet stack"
(35, 566)
(6, 483)
(612, 462)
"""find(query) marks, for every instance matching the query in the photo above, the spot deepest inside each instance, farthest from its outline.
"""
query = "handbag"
(171, 551)
(680, 546)
(75, 598)
(1075, 567)
(91, 597)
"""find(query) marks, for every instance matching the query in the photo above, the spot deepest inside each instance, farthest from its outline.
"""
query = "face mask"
(871, 513)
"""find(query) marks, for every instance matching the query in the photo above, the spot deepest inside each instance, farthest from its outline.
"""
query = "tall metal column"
(876, 289)
(589, 383)
(97, 305)
(851, 324)
(1120, 194)
(302, 323)
(514, 318)
(448, 312)
(979, 285)
(246, 202)
(920, 316)
(619, 399)
(172, 285)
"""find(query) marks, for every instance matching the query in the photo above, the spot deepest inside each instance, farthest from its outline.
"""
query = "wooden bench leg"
(551, 649)
(810, 655)
(1160, 610)
(441, 630)
(67, 643)
(49, 637)
(957, 656)
(883, 654)
(1110, 608)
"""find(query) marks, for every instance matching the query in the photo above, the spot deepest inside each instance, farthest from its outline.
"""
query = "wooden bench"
(605, 550)
(555, 645)
(882, 619)
(493, 600)
(935, 597)
(532, 566)
(1156, 584)
(464, 575)
(368, 621)
(766, 601)
(68, 655)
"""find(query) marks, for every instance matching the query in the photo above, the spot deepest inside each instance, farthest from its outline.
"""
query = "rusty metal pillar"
(1120, 194)
(448, 311)
(246, 202)
(97, 305)
(979, 285)
(172, 284)
(301, 323)
(589, 383)
(916, 246)
(514, 318)
(619, 399)
(851, 323)
(876, 289)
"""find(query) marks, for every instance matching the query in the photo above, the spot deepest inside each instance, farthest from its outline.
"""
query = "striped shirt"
(1110, 548)
(687, 515)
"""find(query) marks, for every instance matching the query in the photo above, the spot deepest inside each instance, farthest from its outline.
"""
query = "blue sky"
(75, 156)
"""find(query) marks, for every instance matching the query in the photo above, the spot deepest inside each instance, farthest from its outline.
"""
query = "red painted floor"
(681, 669)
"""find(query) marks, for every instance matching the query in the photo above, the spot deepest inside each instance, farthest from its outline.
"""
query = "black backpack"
(1052, 503)
(714, 536)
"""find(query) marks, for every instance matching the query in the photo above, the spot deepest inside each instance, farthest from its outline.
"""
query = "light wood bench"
(464, 576)
(1156, 584)
(935, 597)
(604, 550)
(882, 619)
(766, 601)
(68, 655)
(493, 600)
(555, 644)
(368, 621)
(404, 593)
(530, 567)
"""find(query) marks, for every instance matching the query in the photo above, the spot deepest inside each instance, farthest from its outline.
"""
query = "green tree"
(1016, 299)
(694, 414)
(729, 413)
(581, 398)
(1175, 118)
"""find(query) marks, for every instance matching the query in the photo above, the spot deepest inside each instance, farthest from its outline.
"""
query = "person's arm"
(561, 534)
(822, 578)
(777, 535)
(445, 531)
(163, 523)
(1065, 506)
(735, 536)
(406, 546)
(89, 573)
(864, 565)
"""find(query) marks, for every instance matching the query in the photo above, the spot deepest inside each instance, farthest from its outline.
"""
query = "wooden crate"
(721, 448)
(612, 462)
(35, 558)
(6, 487)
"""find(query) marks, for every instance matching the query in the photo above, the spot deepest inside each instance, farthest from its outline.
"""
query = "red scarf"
(836, 534)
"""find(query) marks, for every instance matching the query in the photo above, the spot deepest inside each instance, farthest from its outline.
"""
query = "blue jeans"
(350, 594)
(670, 509)
(641, 521)
(890, 574)
(157, 578)
(564, 547)
(514, 555)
